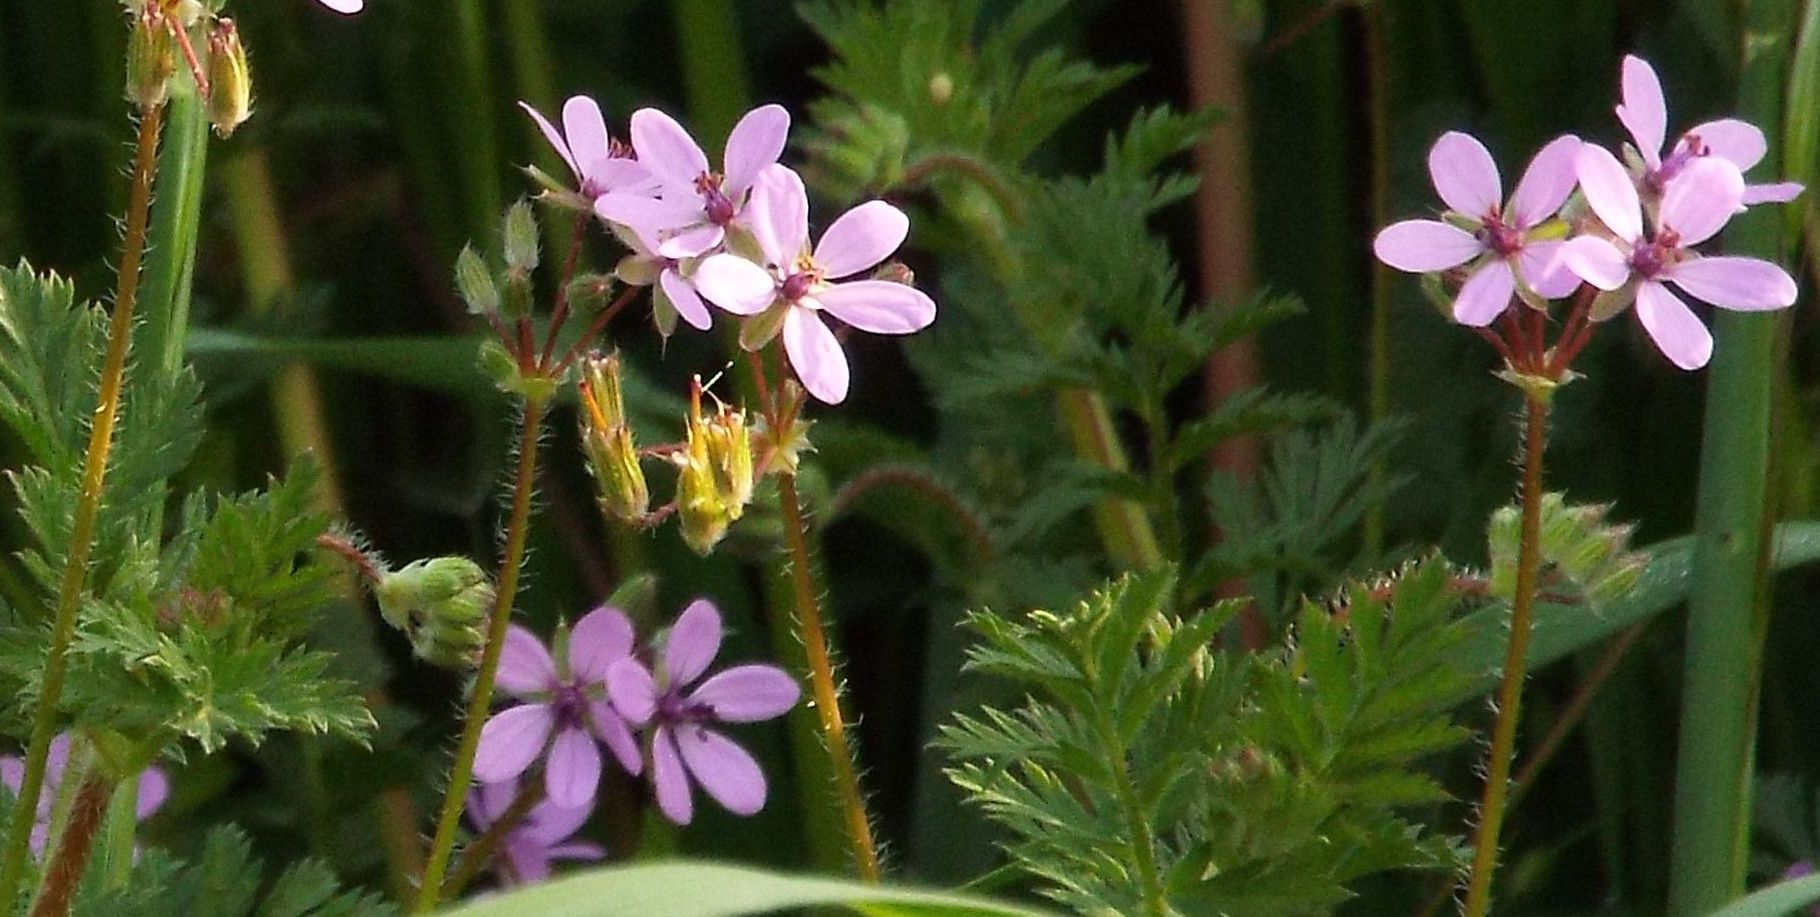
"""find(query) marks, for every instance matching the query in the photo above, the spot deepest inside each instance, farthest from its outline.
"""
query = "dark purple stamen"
(1499, 237)
(796, 286)
(718, 206)
(1649, 258)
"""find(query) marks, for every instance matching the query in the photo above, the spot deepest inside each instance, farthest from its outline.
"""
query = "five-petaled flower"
(1644, 113)
(566, 710)
(542, 837)
(601, 165)
(801, 280)
(1695, 206)
(154, 787)
(1500, 241)
(694, 205)
(345, 7)
(683, 748)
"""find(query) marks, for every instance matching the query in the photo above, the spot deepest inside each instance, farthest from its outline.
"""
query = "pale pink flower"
(345, 7)
(645, 267)
(803, 280)
(1695, 206)
(601, 165)
(695, 204)
(1496, 239)
(1644, 112)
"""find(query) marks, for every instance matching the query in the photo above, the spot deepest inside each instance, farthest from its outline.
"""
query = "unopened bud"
(715, 482)
(895, 271)
(520, 238)
(441, 604)
(475, 283)
(619, 480)
(588, 293)
(230, 78)
(1504, 536)
(151, 59)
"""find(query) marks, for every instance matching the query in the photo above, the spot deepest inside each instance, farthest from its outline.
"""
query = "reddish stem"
(594, 329)
(560, 313)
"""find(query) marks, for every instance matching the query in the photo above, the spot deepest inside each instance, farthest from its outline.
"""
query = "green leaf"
(1779, 900)
(1564, 629)
(702, 889)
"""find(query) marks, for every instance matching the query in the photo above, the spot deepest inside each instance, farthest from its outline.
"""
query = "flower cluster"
(600, 693)
(737, 238)
(1628, 233)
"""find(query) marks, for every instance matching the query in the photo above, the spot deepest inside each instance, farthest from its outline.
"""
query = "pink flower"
(683, 748)
(154, 787)
(601, 165)
(345, 7)
(567, 710)
(858, 240)
(1644, 113)
(1498, 239)
(695, 204)
(1695, 206)
(645, 267)
(541, 838)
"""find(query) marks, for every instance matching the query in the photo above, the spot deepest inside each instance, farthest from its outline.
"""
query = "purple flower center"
(1500, 237)
(673, 708)
(797, 285)
(713, 200)
(568, 704)
(1649, 258)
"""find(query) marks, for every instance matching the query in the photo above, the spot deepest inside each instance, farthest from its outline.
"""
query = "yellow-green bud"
(588, 293)
(151, 59)
(475, 283)
(441, 604)
(520, 238)
(715, 481)
(619, 480)
(230, 78)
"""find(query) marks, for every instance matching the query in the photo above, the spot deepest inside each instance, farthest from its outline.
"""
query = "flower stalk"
(71, 857)
(88, 505)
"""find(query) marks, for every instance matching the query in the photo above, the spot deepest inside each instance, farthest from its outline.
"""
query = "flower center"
(674, 708)
(1501, 238)
(568, 704)
(796, 286)
(713, 200)
(1649, 258)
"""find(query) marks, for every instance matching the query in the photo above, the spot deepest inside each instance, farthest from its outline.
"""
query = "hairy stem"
(821, 680)
(517, 528)
(71, 857)
(88, 506)
(1510, 689)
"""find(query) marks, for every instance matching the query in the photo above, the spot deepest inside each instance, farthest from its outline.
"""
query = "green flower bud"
(441, 604)
(520, 238)
(151, 59)
(1504, 535)
(588, 293)
(475, 283)
(230, 79)
(606, 437)
(715, 482)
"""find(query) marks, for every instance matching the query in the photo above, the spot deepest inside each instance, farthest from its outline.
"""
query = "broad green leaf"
(1564, 629)
(1779, 900)
(680, 888)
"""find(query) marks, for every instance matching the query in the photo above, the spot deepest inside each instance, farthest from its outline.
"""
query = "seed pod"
(715, 481)
(151, 59)
(619, 479)
(230, 79)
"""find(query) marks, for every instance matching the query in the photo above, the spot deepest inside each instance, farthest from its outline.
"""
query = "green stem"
(1141, 835)
(88, 505)
(517, 529)
(1727, 595)
(822, 685)
(176, 222)
(1124, 525)
(1516, 661)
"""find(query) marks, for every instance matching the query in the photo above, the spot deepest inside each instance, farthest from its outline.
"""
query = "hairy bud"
(715, 482)
(151, 59)
(441, 604)
(230, 78)
(520, 238)
(475, 282)
(619, 480)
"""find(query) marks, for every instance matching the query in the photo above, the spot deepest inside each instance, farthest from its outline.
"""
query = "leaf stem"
(517, 529)
(88, 505)
(1510, 689)
(71, 857)
(1142, 834)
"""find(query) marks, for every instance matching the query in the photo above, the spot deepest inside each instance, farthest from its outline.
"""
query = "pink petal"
(510, 740)
(1542, 268)
(724, 769)
(1643, 112)
(1421, 246)
(861, 238)
(550, 822)
(554, 136)
(1486, 295)
(525, 667)
(586, 131)
(154, 789)
(12, 772)
(1774, 193)
(778, 215)
(735, 284)
(1464, 175)
(878, 306)
(685, 300)
(1596, 261)
(1675, 329)
(1744, 284)
(632, 690)
(572, 771)
(692, 242)
(1609, 190)
(1699, 202)
(600, 637)
(749, 693)
(488, 801)
(611, 728)
(346, 7)
(670, 778)
(527, 860)
(582, 851)
(693, 643)
(667, 150)
(622, 175)
(1739, 142)
(1546, 184)
(647, 216)
(816, 356)
(756, 142)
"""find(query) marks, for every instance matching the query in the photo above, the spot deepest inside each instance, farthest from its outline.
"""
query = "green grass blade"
(170, 258)
(1779, 900)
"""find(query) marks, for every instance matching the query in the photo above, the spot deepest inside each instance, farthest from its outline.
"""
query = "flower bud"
(441, 604)
(1504, 536)
(619, 480)
(230, 79)
(475, 283)
(151, 59)
(895, 271)
(588, 293)
(715, 482)
(520, 238)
